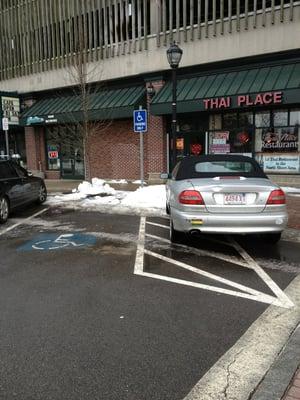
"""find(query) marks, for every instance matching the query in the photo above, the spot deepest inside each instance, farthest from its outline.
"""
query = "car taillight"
(190, 197)
(276, 197)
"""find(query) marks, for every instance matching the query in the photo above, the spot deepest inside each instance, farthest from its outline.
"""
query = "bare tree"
(85, 78)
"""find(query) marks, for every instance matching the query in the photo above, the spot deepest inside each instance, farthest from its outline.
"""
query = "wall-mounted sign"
(11, 109)
(280, 163)
(244, 100)
(282, 139)
(179, 143)
(52, 155)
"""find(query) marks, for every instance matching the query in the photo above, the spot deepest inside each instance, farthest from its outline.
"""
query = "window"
(224, 166)
(295, 117)
(230, 121)
(6, 171)
(262, 119)
(280, 118)
(21, 171)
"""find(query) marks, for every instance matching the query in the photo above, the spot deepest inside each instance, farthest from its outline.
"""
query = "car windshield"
(224, 166)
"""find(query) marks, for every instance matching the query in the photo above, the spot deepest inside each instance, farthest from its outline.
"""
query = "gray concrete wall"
(253, 41)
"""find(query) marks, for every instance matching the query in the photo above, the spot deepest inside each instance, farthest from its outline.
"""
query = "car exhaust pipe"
(195, 232)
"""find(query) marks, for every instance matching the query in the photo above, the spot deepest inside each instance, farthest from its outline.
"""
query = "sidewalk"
(282, 381)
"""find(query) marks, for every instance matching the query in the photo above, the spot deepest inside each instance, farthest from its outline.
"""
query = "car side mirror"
(165, 176)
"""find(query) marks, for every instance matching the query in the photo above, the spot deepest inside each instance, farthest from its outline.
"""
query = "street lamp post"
(174, 54)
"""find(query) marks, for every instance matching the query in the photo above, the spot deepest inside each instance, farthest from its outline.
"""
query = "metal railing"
(39, 35)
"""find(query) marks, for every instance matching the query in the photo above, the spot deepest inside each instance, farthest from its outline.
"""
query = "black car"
(18, 188)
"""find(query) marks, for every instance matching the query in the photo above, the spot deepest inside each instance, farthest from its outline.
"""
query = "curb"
(277, 380)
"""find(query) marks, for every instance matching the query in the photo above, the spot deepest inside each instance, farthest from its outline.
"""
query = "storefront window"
(295, 117)
(280, 118)
(53, 148)
(230, 121)
(262, 119)
(246, 119)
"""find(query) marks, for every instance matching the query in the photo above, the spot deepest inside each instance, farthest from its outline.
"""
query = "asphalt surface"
(77, 323)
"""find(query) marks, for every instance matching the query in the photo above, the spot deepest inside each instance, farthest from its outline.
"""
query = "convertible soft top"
(188, 167)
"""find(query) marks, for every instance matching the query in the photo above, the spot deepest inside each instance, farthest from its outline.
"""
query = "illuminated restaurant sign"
(243, 100)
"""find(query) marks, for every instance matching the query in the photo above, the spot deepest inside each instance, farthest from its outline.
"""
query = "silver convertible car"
(224, 194)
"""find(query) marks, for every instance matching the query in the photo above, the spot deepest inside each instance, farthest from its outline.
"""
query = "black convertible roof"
(187, 169)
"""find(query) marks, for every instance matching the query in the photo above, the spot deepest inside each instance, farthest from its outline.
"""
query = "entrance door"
(195, 144)
(188, 144)
(72, 163)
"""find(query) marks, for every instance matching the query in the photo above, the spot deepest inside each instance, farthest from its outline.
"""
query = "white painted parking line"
(159, 225)
(200, 252)
(10, 228)
(139, 260)
(250, 293)
(280, 299)
(240, 370)
(262, 274)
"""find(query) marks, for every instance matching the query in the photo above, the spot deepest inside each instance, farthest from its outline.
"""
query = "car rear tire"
(272, 238)
(42, 194)
(4, 209)
(175, 236)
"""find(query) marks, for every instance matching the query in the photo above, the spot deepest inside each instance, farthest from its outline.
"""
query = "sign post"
(140, 126)
(5, 127)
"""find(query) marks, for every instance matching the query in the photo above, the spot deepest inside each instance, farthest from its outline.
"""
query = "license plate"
(234, 198)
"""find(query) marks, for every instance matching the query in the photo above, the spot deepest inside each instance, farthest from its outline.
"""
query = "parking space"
(102, 306)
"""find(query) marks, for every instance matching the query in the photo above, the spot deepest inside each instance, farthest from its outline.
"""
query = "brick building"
(238, 82)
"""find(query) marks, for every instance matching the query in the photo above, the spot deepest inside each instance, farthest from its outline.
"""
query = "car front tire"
(4, 209)
(42, 194)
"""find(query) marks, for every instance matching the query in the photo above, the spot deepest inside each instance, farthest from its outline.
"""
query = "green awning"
(191, 90)
(103, 105)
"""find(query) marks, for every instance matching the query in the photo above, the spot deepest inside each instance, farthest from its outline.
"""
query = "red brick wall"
(156, 139)
(114, 152)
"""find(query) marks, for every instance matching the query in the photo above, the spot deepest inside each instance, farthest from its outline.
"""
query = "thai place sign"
(243, 100)
(280, 163)
(11, 109)
(280, 140)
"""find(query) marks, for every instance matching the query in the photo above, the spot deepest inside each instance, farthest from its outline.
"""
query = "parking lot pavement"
(97, 306)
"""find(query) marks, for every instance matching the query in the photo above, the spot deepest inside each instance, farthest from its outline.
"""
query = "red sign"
(52, 154)
(244, 100)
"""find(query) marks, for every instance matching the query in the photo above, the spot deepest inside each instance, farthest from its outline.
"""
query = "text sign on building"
(140, 121)
(5, 126)
(11, 109)
(53, 155)
(244, 100)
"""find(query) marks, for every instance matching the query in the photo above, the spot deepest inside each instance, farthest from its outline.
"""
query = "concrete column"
(155, 7)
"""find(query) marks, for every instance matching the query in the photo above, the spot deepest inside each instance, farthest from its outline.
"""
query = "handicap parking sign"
(140, 120)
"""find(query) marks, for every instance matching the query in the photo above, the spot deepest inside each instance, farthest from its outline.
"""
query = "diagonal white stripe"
(260, 298)
(23, 221)
(263, 275)
(200, 252)
(269, 299)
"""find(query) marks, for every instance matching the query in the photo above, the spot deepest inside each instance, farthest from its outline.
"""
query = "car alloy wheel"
(42, 194)
(4, 209)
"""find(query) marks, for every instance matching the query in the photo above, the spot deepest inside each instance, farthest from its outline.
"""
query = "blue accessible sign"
(140, 121)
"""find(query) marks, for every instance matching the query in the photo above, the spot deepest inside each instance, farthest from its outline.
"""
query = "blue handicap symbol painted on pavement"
(53, 241)
(140, 120)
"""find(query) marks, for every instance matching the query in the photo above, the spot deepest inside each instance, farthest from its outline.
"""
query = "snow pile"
(146, 197)
(99, 196)
(97, 187)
